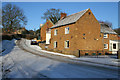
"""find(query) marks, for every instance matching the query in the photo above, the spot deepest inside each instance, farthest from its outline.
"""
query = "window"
(99, 53)
(55, 44)
(89, 13)
(93, 53)
(86, 53)
(84, 34)
(67, 44)
(114, 46)
(55, 32)
(105, 35)
(67, 30)
(105, 46)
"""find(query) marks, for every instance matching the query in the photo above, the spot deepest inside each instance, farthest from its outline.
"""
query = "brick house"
(118, 42)
(110, 39)
(44, 28)
(81, 34)
(20, 31)
(77, 34)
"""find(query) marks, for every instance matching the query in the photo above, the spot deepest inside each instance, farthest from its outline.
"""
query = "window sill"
(66, 47)
(105, 37)
(105, 48)
(66, 33)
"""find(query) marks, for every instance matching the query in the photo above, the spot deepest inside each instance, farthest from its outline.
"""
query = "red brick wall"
(110, 37)
(87, 25)
(48, 24)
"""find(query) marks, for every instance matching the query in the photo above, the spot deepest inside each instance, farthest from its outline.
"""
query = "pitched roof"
(107, 29)
(46, 22)
(69, 19)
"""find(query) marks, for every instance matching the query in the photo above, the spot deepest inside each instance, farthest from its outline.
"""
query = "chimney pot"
(63, 15)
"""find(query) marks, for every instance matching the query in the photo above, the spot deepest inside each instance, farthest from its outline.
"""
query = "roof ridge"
(79, 12)
(70, 18)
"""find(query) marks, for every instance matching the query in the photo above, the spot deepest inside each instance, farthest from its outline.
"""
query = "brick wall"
(110, 37)
(83, 35)
(48, 24)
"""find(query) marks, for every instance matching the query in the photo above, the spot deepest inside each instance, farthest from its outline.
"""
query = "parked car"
(34, 42)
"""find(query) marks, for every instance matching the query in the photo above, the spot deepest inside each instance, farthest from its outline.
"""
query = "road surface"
(19, 63)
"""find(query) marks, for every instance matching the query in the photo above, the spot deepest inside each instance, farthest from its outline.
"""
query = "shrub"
(7, 37)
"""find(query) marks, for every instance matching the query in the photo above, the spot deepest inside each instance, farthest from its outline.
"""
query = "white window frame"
(55, 32)
(55, 45)
(65, 44)
(105, 35)
(106, 46)
(67, 30)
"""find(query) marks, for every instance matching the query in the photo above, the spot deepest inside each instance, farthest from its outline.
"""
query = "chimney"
(63, 15)
(41, 25)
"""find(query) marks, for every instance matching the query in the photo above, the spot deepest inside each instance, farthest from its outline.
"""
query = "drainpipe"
(78, 53)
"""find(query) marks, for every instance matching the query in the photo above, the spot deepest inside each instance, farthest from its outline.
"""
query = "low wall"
(77, 53)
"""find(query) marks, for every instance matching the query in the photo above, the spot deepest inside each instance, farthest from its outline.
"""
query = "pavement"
(105, 61)
(21, 61)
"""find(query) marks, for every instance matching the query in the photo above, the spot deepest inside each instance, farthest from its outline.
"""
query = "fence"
(95, 53)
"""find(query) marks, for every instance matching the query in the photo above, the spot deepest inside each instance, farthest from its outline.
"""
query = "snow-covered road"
(18, 63)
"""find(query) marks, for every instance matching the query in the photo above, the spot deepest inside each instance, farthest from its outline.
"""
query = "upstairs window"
(67, 44)
(67, 30)
(105, 35)
(105, 46)
(55, 44)
(55, 32)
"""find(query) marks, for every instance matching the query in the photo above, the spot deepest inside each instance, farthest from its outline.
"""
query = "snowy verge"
(27, 42)
(21, 64)
(7, 46)
(105, 61)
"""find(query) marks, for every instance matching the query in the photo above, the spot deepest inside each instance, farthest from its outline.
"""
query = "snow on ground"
(8, 45)
(102, 59)
(0, 68)
(0, 60)
(27, 42)
(0, 46)
(21, 64)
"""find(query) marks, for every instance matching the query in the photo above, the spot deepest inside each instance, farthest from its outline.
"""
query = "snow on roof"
(69, 19)
(107, 29)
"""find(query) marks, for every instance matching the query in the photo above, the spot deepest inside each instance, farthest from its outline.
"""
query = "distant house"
(45, 27)
(77, 34)
(19, 31)
(80, 34)
(110, 39)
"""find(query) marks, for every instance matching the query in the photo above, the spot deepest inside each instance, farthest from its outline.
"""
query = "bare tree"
(117, 31)
(52, 14)
(109, 24)
(12, 17)
(0, 17)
